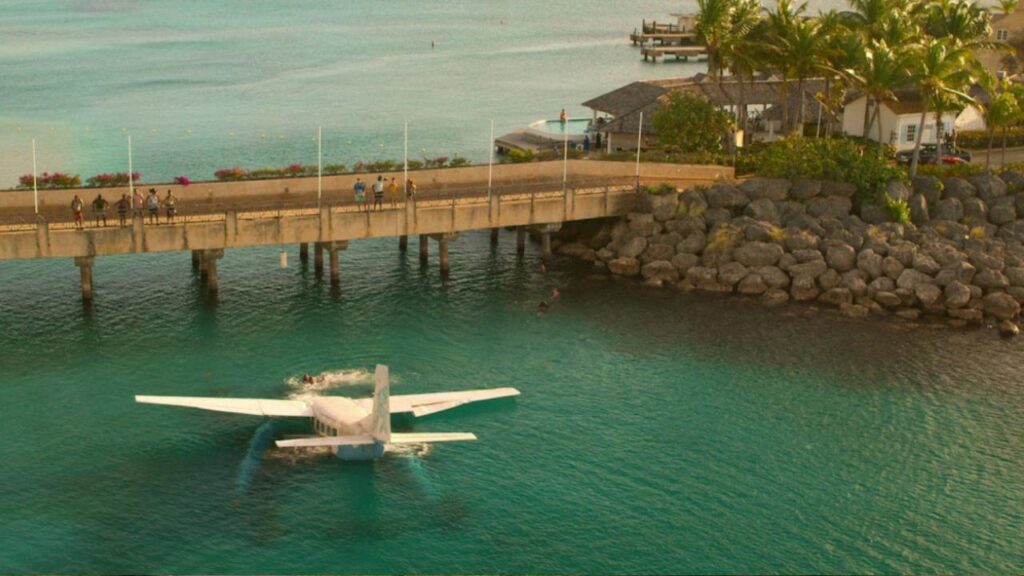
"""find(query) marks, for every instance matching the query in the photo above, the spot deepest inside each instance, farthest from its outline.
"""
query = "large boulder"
(928, 294)
(692, 244)
(988, 186)
(803, 288)
(683, 262)
(761, 232)
(1002, 211)
(881, 284)
(773, 276)
(807, 255)
(832, 206)
(731, 273)
(854, 281)
(975, 211)
(910, 278)
(892, 267)
(660, 270)
(766, 188)
(887, 299)
(873, 213)
(904, 252)
(758, 254)
(897, 190)
(797, 239)
(918, 209)
(789, 211)
(624, 266)
(841, 257)
(1015, 274)
(925, 264)
(633, 247)
(836, 297)
(842, 189)
(928, 186)
(692, 203)
(1014, 181)
(1001, 306)
(686, 225)
(655, 252)
(706, 279)
(804, 189)
(642, 224)
(991, 279)
(957, 295)
(870, 263)
(716, 216)
(957, 188)
(830, 279)
(662, 206)
(762, 209)
(752, 285)
(982, 260)
(810, 270)
(725, 196)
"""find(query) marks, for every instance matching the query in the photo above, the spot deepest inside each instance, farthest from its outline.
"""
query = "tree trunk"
(743, 107)
(988, 155)
(784, 101)
(828, 100)
(939, 133)
(917, 141)
(867, 109)
(800, 114)
(878, 116)
(1002, 160)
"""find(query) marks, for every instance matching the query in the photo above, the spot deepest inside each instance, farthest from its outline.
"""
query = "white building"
(900, 121)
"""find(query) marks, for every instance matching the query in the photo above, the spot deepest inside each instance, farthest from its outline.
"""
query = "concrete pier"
(318, 257)
(203, 265)
(494, 236)
(521, 240)
(424, 248)
(210, 258)
(304, 252)
(196, 259)
(84, 264)
(403, 243)
(442, 250)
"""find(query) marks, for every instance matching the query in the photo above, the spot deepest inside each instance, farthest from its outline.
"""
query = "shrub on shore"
(108, 180)
(48, 181)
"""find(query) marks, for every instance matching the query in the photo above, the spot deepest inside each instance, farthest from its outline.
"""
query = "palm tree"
(939, 69)
(741, 51)
(711, 29)
(806, 49)
(884, 71)
(1008, 6)
(780, 26)
(844, 50)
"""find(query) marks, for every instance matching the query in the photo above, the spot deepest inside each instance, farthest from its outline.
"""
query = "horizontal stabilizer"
(326, 441)
(426, 437)
(251, 406)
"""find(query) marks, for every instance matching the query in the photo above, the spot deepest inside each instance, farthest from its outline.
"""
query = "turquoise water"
(657, 432)
(205, 85)
(575, 126)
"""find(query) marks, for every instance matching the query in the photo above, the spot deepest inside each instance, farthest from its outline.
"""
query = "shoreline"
(959, 259)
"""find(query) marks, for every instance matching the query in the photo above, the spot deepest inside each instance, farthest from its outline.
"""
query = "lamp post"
(35, 186)
(639, 142)
(490, 163)
(319, 166)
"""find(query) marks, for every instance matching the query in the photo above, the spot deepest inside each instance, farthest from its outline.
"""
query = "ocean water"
(657, 432)
(204, 85)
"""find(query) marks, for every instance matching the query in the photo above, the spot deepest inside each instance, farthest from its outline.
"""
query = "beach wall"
(960, 258)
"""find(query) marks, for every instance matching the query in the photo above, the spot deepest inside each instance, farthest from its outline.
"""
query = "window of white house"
(1002, 35)
(911, 133)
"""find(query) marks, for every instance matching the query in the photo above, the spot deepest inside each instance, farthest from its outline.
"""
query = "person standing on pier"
(122, 209)
(360, 189)
(562, 116)
(378, 193)
(99, 209)
(76, 209)
(137, 204)
(393, 192)
(153, 203)
(169, 205)
(586, 143)
(410, 190)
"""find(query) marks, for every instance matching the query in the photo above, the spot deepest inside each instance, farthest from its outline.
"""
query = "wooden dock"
(662, 38)
(652, 53)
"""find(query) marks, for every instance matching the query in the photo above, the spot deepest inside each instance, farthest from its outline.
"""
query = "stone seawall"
(961, 258)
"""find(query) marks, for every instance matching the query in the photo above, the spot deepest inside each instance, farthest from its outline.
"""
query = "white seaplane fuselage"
(354, 428)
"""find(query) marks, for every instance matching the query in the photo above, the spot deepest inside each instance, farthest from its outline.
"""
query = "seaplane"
(353, 428)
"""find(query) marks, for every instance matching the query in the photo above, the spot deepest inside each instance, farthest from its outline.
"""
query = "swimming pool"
(575, 126)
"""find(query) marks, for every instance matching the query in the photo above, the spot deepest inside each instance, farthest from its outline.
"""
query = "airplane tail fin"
(380, 423)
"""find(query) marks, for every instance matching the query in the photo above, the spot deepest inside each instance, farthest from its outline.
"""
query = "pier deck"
(652, 53)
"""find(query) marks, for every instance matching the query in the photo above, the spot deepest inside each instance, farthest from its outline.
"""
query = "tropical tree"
(1008, 6)
(741, 52)
(939, 70)
(691, 124)
(712, 28)
(780, 26)
(885, 70)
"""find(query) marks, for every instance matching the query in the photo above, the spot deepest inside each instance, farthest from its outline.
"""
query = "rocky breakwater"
(960, 257)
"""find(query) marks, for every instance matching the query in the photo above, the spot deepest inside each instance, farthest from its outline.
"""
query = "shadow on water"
(262, 439)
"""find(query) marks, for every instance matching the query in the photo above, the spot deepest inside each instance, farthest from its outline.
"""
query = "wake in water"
(328, 380)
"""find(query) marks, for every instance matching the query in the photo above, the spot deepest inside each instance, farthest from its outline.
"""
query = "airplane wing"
(252, 406)
(431, 437)
(423, 404)
(326, 441)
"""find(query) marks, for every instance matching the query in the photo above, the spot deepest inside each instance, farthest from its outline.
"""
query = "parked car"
(929, 154)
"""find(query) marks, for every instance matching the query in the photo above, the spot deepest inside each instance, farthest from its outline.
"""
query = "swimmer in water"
(307, 379)
(555, 293)
(543, 307)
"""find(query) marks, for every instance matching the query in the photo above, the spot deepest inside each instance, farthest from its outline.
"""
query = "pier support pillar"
(442, 250)
(304, 252)
(84, 264)
(196, 259)
(332, 251)
(204, 265)
(318, 257)
(424, 248)
(545, 244)
(403, 243)
(494, 236)
(210, 258)
(521, 240)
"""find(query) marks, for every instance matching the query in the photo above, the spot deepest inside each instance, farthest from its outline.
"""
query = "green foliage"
(839, 159)
(950, 170)
(334, 169)
(978, 139)
(458, 162)
(660, 190)
(516, 156)
(691, 124)
(415, 164)
(899, 210)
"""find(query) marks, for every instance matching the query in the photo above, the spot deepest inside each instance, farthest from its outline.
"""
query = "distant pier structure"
(662, 39)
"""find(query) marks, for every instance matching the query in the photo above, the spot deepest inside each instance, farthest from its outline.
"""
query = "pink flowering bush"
(111, 179)
(229, 174)
(51, 181)
(182, 180)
